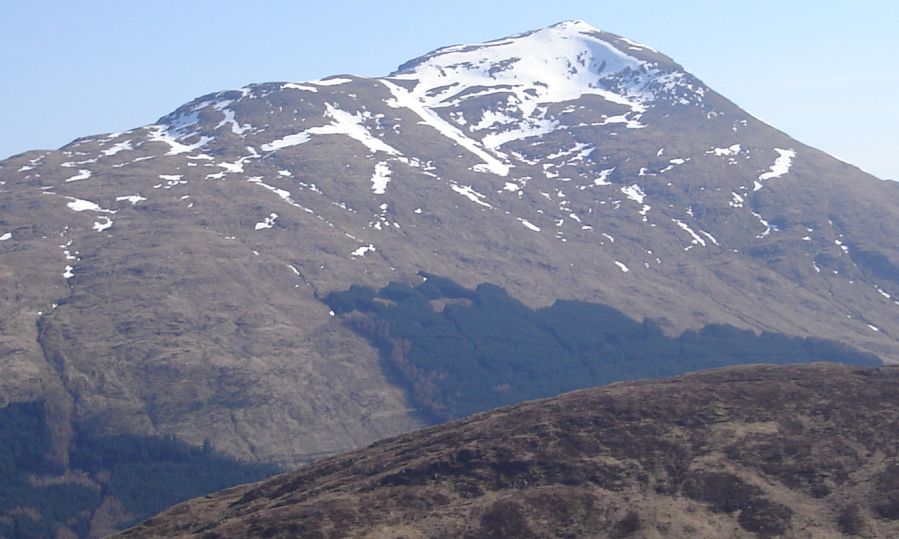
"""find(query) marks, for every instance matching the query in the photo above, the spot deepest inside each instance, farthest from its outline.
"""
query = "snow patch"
(629, 123)
(769, 228)
(361, 251)
(268, 222)
(634, 192)
(781, 165)
(342, 123)
(403, 98)
(709, 236)
(637, 45)
(470, 194)
(301, 87)
(133, 199)
(603, 177)
(491, 118)
(102, 224)
(380, 178)
(229, 118)
(118, 147)
(526, 129)
(622, 267)
(529, 225)
(171, 180)
(697, 240)
(730, 151)
(331, 82)
(83, 174)
(285, 195)
(235, 167)
(286, 142)
(77, 204)
(167, 135)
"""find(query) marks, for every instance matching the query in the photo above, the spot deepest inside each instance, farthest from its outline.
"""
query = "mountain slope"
(757, 451)
(167, 280)
(463, 351)
(110, 483)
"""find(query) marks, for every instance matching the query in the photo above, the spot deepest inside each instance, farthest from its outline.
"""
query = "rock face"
(167, 280)
(755, 451)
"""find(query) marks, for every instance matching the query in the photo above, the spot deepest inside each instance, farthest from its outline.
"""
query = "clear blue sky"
(823, 71)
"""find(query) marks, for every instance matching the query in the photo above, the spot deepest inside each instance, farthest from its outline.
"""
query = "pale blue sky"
(823, 71)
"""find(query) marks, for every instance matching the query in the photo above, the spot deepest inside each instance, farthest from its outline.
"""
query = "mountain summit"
(169, 279)
(560, 63)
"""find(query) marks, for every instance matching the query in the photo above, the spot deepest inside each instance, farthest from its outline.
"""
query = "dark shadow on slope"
(462, 351)
(141, 475)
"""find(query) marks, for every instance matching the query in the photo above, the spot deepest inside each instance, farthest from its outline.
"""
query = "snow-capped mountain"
(522, 76)
(167, 279)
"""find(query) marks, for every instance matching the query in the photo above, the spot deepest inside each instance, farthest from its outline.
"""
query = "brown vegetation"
(757, 451)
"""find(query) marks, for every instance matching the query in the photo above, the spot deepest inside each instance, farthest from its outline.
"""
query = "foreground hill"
(798, 451)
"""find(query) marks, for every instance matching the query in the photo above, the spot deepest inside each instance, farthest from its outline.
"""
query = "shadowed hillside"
(462, 351)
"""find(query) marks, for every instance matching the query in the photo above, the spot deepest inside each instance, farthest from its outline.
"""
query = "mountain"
(757, 451)
(169, 280)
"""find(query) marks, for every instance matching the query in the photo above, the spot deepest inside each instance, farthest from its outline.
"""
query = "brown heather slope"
(799, 451)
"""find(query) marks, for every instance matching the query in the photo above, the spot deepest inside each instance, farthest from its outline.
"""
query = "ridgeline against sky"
(816, 71)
